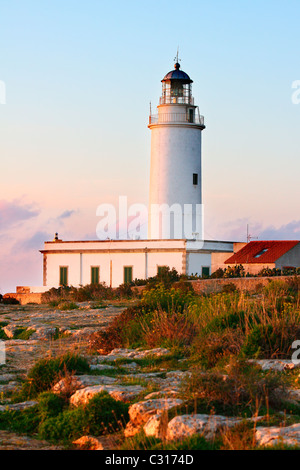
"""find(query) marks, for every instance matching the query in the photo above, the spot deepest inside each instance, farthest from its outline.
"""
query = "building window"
(195, 178)
(127, 274)
(95, 277)
(63, 275)
(261, 252)
(191, 115)
(205, 271)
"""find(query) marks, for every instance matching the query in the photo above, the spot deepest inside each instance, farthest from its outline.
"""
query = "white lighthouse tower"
(175, 202)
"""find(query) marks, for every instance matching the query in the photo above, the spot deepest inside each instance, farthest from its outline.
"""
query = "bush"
(167, 299)
(68, 306)
(243, 387)
(46, 371)
(96, 292)
(50, 405)
(269, 341)
(168, 329)
(10, 301)
(102, 415)
(165, 277)
(219, 273)
(123, 331)
(234, 271)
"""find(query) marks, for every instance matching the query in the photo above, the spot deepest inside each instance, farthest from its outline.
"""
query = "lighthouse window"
(195, 178)
(191, 115)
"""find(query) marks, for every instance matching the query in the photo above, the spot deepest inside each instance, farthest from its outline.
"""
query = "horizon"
(76, 82)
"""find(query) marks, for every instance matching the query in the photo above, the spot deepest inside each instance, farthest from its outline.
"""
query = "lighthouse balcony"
(175, 118)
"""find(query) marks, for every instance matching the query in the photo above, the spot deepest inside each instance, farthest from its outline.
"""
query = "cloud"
(12, 213)
(35, 242)
(236, 230)
(290, 231)
(66, 214)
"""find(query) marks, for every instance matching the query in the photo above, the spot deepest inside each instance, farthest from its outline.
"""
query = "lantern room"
(176, 87)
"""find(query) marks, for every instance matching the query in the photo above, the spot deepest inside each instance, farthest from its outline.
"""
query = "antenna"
(249, 237)
(176, 58)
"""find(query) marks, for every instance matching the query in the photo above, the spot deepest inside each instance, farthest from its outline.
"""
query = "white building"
(175, 232)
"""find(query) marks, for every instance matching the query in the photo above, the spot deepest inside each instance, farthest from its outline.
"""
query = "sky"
(76, 82)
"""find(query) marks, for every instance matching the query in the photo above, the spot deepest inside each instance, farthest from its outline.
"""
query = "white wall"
(175, 156)
(195, 262)
(111, 258)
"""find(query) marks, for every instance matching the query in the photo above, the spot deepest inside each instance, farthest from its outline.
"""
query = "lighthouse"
(175, 229)
(175, 195)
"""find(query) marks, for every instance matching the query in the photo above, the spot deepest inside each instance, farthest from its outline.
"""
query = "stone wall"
(207, 286)
(25, 298)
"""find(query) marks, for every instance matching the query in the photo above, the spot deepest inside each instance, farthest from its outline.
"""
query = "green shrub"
(242, 389)
(124, 330)
(66, 426)
(68, 306)
(24, 422)
(23, 333)
(101, 415)
(3, 334)
(46, 371)
(10, 301)
(165, 277)
(50, 405)
(167, 299)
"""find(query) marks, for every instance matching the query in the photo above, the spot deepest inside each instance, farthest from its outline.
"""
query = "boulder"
(78, 382)
(184, 426)
(270, 436)
(44, 333)
(10, 330)
(119, 393)
(141, 412)
(88, 443)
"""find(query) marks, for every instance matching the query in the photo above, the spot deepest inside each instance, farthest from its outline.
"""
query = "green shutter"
(95, 275)
(63, 276)
(127, 274)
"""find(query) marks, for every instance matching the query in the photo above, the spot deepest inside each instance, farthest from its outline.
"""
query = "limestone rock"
(141, 412)
(186, 425)
(289, 435)
(44, 333)
(125, 394)
(10, 330)
(119, 353)
(88, 443)
(81, 381)
(18, 406)
(276, 364)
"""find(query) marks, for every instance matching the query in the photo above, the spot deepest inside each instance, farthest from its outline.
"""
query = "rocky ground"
(155, 393)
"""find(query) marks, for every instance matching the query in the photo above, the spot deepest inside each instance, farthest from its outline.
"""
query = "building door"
(63, 275)
(127, 274)
(205, 271)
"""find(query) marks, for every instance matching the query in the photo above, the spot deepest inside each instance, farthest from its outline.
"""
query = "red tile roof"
(261, 252)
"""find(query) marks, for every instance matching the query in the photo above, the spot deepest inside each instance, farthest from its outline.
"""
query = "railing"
(175, 118)
(169, 99)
